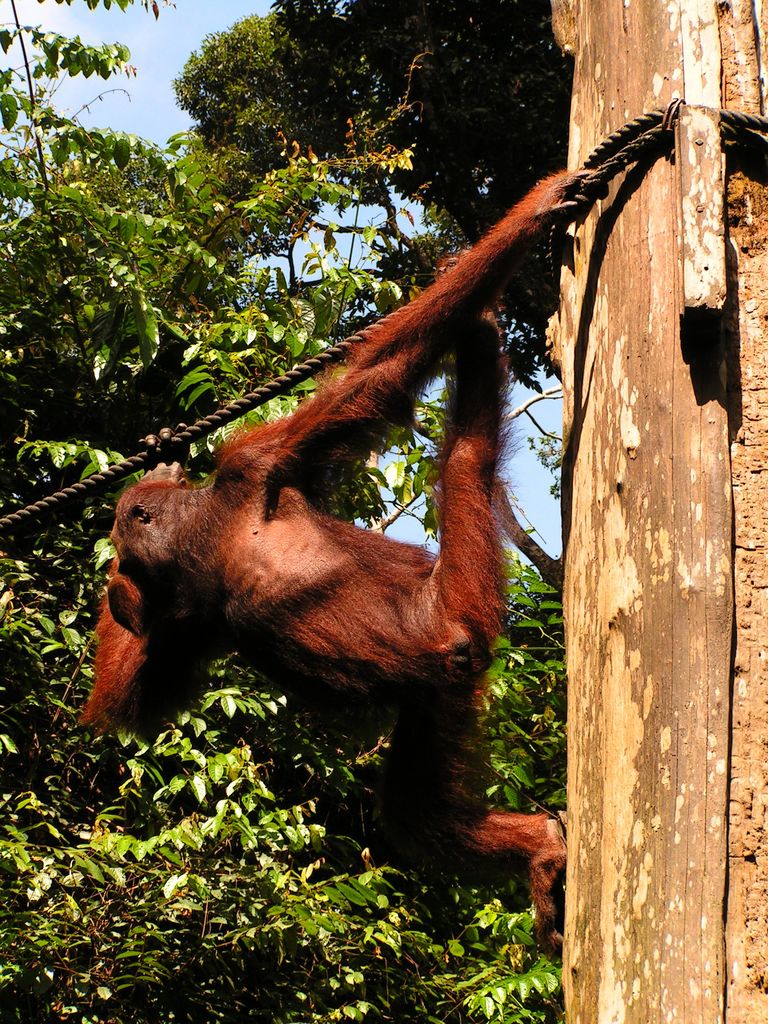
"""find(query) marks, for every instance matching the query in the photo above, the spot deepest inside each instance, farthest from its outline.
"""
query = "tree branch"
(550, 569)
(383, 524)
(31, 90)
(555, 392)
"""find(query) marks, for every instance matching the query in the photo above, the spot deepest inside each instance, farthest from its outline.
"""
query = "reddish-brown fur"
(252, 562)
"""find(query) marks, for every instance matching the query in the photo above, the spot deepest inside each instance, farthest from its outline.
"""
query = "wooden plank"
(701, 166)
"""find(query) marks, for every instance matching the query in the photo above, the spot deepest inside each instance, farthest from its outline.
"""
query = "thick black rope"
(614, 154)
(171, 445)
(278, 386)
(628, 132)
(635, 139)
(738, 120)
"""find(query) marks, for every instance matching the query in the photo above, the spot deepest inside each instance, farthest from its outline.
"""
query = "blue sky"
(144, 104)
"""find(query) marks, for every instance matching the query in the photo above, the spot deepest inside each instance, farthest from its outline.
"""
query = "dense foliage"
(477, 90)
(233, 869)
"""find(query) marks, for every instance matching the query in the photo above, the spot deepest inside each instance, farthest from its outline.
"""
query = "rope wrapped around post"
(641, 137)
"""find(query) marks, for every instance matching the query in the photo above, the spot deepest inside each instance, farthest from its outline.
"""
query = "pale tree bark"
(745, 64)
(662, 338)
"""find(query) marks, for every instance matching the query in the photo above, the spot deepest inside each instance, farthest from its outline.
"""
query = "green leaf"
(8, 743)
(146, 326)
(121, 153)
(198, 785)
(127, 227)
(352, 894)
(9, 110)
(174, 883)
(228, 705)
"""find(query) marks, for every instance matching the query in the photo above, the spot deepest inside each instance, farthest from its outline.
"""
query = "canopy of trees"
(234, 869)
(478, 92)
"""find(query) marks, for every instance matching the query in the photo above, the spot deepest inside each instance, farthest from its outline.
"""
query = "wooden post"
(667, 662)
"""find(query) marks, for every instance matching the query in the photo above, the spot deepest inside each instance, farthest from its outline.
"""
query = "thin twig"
(541, 430)
(400, 236)
(98, 97)
(31, 89)
(383, 524)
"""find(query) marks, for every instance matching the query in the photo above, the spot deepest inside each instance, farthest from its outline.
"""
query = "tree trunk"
(662, 338)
